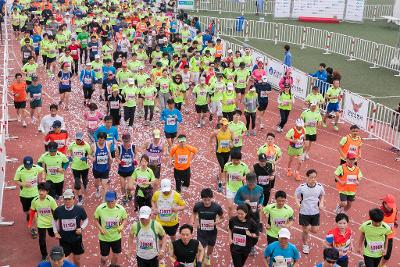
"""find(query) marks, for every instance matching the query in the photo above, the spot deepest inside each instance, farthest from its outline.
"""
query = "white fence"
(378, 55)
(371, 12)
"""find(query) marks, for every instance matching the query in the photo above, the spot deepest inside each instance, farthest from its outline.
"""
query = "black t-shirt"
(206, 214)
(261, 171)
(240, 241)
(185, 253)
(69, 221)
(261, 87)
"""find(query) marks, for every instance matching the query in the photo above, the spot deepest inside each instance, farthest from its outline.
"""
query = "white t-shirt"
(310, 198)
(47, 122)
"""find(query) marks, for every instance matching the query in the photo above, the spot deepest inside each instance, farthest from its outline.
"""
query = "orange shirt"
(182, 156)
(60, 138)
(18, 89)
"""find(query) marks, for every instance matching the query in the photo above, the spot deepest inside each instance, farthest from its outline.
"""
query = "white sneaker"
(307, 156)
(306, 249)
(339, 209)
(198, 125)
(303, 156)
(24, 124)
(279, 129)
(97, 193)
(261, 126)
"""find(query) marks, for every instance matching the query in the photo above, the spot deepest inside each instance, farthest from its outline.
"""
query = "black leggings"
(372, 262)
(182, 178)
(74, 67)
(146, 112)
(250, 116)
(284, 117)
(389, 249)
(44, 58)
(129, 114)
(87, 92)
(143, 201)
(147, 263)
(239, 258)
(86, 54)
(178, 106)
(42, 239)
(116, 116)
(56, 189)
(222, 158)
(228, 115)
(80, 177)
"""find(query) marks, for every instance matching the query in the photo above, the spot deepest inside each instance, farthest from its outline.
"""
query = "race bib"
(375, 246)
(279, 222)
(242, 81)
(52, 170)
(164, 86)
(235, 177)
(74, 52)
(202, 93)
(153, 160)
(87, 80)
(68, 224)
(92, 125)
(44, 211)
(27, 54)
(351, 179)
(206, 225)
(35, 45)
(65, 82)
(78, 154)
(130, 97)
(352, 149)
(94, 48)
(264, 94)
(127, 162)
(182, 159)
(146, 243)
(165, 214)
(102, 159)
(270, 157)
(114, 104)
(312, 123)
(141, 180)
(33, 182)
(37, 96)
(239, 240)
(224, 143)
(263, 179)
(298, 144)
(60, 143)
(170, 121)
(111, 223)
(236, 140)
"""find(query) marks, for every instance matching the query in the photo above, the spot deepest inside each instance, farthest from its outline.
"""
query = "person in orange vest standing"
(350, 143)
(296, 137)
(219, 50)
(389, 209)
(347, 177)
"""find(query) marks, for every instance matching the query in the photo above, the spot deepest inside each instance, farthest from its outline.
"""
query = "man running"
(333, 97)
(59, 136)
(111, 133)
(350, 143)
(281, 252)
(238, 129)
(171, 118)
(47, 121)
(312, 118)
(205, 218)
(389, 209)
(309, 199)
(110, 220)
(56, 259)
(101, 155)
(68, 223)
(271, 150)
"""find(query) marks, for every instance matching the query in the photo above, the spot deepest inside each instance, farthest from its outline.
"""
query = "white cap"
(264, 79)
(230, 86)
(314, 103)
(259, 59)
(88, 64)
(165, 185)
(284, 233)
(300, 123)
(230, 51)
(131, 80)
(68, 193)
(252, 88)
(97, 56)
(141, 68)
(144, 212)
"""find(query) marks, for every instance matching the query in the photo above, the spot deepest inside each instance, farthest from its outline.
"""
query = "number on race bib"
(68, 224)
(182, 159)
(263, 179)
(351, 179)
(239, 240)
(206, 225)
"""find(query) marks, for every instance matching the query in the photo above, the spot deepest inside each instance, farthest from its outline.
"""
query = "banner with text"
(282, 8)
(355, 109)
(275, 71)
(300, 83)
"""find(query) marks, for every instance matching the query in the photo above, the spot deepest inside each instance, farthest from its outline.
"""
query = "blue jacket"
(287, 60)
(320, 75)
(244, 193)
(167, 115)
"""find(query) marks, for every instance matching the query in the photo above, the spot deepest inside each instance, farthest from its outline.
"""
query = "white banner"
(354, 10)
(275, 71)
(300, 83)
(355, 110)
(282, 8)
(319, 9)
(185, 4)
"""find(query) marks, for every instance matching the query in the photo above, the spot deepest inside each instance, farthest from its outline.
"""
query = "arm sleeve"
(238, 199)
(84, 224)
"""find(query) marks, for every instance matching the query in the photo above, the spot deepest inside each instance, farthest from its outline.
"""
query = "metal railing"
(371, 12)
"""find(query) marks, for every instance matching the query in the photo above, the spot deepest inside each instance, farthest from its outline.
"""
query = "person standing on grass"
(373, 241)
(347, 177)
(389, 209)
(18, 90)
(43, 205)
(333, 96)
(281, 252)
(26, 177)
(296, 137)
(287, 57)
(312, 118)
(205, 218)
(285, 105)
(110, 220)
(309, 199)
(351, 143)
(69, 221)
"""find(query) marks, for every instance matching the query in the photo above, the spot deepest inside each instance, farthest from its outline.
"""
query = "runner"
(186, 251)
(204, 218)
(217, 87)
(271, 150)
(309, 199)
(201, 93)
(234, 176)
(149, 93)
(46, 124)
(347, 177)
(110, 220)
(228, 102)
(223, 138)
(181, 156)
(93, 118)
(35, 95)
(56, 259)
(351, 143)
(265, 173)
(155, 150)
(68, 223)
(151, 240)
(114, 104)
(281, 252)
(55, 163)
(341, 238)
(44, 205)
(277, 216)
(333, 96)
(26, 177)
(130, 93)
(373, 241)
(143, 178)
(312, 118)
(58, 136)
(171, 118)
(250, 111)
(296, 137)
(18, 90)
(242, 77)
(285, 105)
(111, 133)
(87, 77)
(389, 209)
(315, 97)
(263, 90)
(331, 255)
(64, 84)
(239, 129)
(101, 155)
(78, 152)
(242, 235)
(165, 204)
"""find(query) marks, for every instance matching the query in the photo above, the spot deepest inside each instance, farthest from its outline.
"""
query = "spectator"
(287, 59)
(321, 73)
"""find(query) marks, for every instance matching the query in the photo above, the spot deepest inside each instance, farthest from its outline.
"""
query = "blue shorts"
(333, 107)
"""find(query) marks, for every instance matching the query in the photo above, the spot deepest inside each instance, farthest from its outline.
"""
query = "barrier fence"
(371, 12)
(376, 54)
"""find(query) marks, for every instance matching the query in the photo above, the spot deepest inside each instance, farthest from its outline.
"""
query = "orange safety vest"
(390, 220)
(219, 49)
(350, 177)
(298, 137)
(352, 145)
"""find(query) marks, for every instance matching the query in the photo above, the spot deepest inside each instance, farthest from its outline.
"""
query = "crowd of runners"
(138, 63)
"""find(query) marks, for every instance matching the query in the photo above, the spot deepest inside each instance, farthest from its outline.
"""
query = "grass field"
(356, 75)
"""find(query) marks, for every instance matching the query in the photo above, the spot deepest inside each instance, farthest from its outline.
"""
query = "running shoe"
(306, 249)
(208, 260)
(253, 251)
(307, 156)
(198, 125)
(339, 209)
(220, 187)
(324, 125)
(289, 173)
(254, 133)
(210, 118)
(97, 193)
(24, 124)
(297, 176)
(261, 126)
(248, 133)
(336, 128)
(34, 233)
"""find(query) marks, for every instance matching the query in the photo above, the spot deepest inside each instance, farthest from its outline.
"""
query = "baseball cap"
(115, 87)
(57, 253)
(97, 56)
(52, 146)
(264, 79)
(110, 196)
(68, 193)
(181, 139)
(156, 133)
(230, 51)
(262, 157)
(284, 233)
(131, 81)
(144, 212)
(224, 121)
(79, 135)
(34, 78)
(141, 68)
(28, 162)
(88, 64)
(165, 185)
(351, 155)
(300, 123)
(126, 136)
(56, 124)
(389, 200)
(314, 103)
